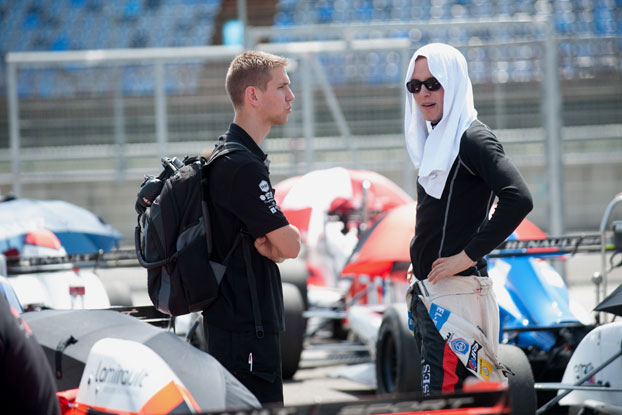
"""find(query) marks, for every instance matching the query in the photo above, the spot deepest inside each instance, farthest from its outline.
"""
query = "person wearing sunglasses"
(462, 171)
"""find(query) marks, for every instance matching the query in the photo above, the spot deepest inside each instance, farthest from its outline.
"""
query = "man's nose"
(424, 90)
(290, 97)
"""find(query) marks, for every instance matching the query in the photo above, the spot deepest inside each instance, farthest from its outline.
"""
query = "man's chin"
(281, 121)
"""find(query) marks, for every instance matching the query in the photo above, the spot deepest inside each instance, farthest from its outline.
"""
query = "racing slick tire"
(520, 384)
(398, 365)
(293, 337)
(294, 271)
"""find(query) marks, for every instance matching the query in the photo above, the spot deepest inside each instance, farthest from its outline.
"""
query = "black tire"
(398, 364)
(293, 337)
(294, 271)
(523, 398)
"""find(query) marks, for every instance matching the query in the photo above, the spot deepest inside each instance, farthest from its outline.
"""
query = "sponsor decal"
(583, 369)
(439, 315)
(425, 379)
(472, 363)
(485, 368)
(117, 375)
(459, 346)
(267, 197)
(562, 242)
(264, 186)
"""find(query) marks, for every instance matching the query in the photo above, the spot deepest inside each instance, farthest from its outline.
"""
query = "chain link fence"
(105, 117)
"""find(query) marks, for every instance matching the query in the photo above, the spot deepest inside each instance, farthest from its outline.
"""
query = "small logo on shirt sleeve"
(264, 186)
(267, 197)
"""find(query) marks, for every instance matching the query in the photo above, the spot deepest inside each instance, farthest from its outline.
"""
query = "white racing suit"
(464, 311)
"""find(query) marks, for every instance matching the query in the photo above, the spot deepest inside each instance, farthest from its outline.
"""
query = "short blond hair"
(251, 68)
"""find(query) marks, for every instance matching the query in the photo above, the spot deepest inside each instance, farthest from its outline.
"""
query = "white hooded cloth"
(433, 151)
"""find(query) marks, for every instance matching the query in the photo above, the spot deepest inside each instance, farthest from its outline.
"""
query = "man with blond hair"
(242, 326)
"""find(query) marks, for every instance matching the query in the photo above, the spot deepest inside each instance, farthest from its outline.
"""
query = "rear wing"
(558, 245)
(126, 256)
(121, 257)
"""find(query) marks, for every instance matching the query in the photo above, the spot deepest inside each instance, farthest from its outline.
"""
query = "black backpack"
(173, 238)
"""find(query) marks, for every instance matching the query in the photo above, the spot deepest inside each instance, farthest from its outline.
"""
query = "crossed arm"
(280, 244)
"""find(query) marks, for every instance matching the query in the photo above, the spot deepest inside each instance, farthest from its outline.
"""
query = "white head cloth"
(433, 151)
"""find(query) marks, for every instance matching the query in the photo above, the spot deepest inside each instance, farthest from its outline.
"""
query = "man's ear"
(251, 95)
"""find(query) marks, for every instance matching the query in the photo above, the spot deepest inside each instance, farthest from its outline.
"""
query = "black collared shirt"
(241, 196)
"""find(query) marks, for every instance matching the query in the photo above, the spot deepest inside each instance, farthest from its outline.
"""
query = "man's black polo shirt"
(241, 195)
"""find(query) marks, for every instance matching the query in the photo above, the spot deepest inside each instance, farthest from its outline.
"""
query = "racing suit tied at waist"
(465, 312)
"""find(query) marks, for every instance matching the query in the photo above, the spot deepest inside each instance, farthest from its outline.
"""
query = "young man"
(461, 169)
(242, 203)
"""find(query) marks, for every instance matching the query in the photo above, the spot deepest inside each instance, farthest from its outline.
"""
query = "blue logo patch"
(439, 315)
(460, 346)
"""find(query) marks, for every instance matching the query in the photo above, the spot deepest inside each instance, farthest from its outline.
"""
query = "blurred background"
(94, 92)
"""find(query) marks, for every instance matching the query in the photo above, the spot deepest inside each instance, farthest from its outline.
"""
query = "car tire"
(293, 337)
(294, 271)
(523, 398)
(398, 364)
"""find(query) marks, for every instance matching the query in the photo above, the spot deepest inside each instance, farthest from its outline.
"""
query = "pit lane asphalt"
(322, 384)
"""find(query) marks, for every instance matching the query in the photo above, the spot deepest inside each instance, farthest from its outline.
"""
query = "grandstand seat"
(572, 17)
(60, 43)
(101, 24)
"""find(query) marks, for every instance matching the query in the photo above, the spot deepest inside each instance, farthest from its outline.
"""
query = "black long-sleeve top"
(459, 220)
(27, 384)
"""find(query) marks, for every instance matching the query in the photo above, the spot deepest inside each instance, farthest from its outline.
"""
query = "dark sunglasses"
(431, 84)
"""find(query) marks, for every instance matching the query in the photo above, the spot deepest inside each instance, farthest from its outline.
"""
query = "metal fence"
(105, 115)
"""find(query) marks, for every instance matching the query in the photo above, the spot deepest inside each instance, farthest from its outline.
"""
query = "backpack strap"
(252, 283)
(223, 147)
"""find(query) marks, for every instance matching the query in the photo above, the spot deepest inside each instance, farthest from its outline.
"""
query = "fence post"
(409, 169)
(119, 126)
(160, 109)
(551, 112)
(13, 101)
(308, 116)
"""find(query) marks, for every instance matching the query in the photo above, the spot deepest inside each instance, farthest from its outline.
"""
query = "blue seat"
(32, 20)
(132, 9)
(60, 43)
